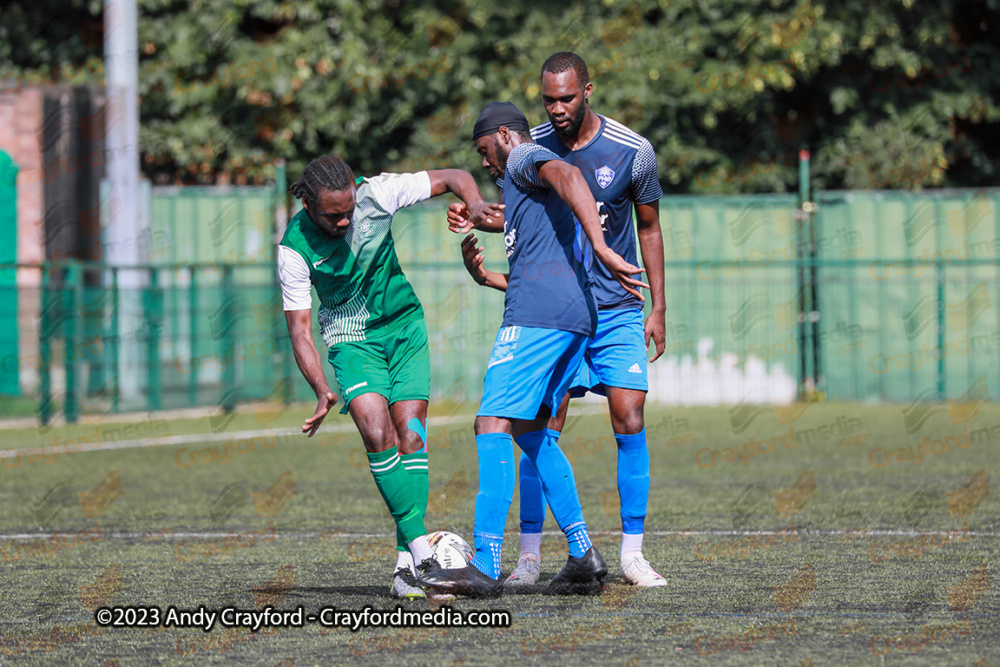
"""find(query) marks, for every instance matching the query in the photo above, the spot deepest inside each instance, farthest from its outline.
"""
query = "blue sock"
(496, 490)
(633, 480)
(559, 486)
(532, 498)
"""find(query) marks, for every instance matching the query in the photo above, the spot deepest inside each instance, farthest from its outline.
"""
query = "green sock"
(397, 489)
(416, 466)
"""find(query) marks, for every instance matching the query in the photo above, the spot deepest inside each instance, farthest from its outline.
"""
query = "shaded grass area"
(823, 545)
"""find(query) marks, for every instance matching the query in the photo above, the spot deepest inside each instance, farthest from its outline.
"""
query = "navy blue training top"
(549, 285)
(620, 168)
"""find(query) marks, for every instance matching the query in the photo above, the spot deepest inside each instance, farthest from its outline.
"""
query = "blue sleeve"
(645, 182)
(522, 165)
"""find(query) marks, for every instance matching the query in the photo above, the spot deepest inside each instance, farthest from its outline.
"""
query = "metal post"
(939, 276)
(805, 382)
(229, 347)
(193, 336)
(809, 208)
(71, 346)
(44, 357)
(113, 346)
(154, 317)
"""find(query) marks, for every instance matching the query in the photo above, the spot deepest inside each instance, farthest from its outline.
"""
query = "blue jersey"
(549, 285)
(620, 168)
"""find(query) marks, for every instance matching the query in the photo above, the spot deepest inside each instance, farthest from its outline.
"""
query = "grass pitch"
(818, 534)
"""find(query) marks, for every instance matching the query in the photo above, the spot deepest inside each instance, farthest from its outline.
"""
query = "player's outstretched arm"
(300, 331)
(651, 246)
(463, 186)
(569, 184)
(473, 257)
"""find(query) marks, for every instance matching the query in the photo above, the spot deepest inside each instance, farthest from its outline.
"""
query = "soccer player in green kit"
(341, 244)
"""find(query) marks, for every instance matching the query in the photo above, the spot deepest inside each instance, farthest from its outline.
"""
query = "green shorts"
(396, 365)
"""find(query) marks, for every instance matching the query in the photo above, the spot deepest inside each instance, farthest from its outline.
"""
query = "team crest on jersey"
(604, 176)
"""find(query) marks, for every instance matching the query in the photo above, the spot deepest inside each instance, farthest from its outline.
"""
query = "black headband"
(497, 115)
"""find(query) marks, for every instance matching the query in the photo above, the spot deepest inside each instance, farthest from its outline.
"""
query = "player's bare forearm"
(651, 247)
(460, 183)
(569, 184)
(306, 356)
(472, 256)
(457, 181)
(497, 281)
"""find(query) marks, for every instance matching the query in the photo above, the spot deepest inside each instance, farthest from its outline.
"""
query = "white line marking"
(210, 535)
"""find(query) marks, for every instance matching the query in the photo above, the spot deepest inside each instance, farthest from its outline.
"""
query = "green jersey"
(358, 280)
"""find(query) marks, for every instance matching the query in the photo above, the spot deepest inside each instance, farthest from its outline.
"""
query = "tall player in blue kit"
(549, 316)
(620, 169)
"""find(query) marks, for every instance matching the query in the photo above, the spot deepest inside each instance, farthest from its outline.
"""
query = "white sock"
(531, 543)
(421, 549)
(631, 543)
(404, 559)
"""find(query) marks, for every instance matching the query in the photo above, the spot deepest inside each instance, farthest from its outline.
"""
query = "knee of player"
(410, 442)
(629, 422)
(379, 439)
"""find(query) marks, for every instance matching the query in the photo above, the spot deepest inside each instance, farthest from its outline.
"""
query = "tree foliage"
(894, 95)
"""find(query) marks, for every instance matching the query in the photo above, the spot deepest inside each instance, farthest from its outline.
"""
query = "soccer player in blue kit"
(620, 169)
(549, 316)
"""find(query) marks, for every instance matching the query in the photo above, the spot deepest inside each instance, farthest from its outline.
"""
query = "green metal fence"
(896, 302)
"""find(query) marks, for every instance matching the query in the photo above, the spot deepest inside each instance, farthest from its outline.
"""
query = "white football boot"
(529, 566)
(637, 571)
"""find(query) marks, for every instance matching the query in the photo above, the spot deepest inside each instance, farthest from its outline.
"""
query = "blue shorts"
(529, 367)
(616, 356)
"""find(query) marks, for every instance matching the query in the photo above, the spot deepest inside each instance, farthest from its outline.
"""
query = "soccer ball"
(450, 551)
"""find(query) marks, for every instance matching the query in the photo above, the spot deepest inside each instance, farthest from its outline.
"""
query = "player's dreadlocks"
(326, 173)
(558, 63)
